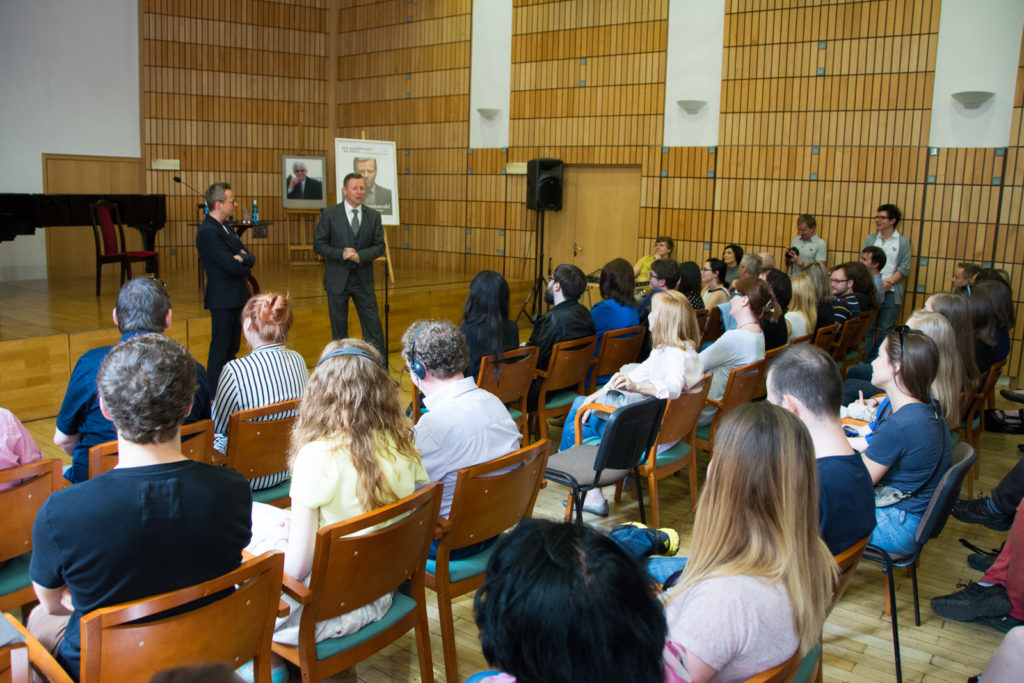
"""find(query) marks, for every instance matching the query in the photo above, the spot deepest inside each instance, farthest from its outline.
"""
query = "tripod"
(536, 294)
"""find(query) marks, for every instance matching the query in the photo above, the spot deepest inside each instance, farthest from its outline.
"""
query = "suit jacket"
(381, 201)
(333, 233)
(225, 276)
(313, 189)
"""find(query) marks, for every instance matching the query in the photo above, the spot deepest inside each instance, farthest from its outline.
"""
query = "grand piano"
(21, 214)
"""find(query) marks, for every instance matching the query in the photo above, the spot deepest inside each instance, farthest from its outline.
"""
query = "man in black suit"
(226, 264)
(377, 197)
(301, 187)
(350, 236)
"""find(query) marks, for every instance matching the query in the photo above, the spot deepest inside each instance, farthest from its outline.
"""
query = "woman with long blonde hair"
(759, 581)
(803, 306)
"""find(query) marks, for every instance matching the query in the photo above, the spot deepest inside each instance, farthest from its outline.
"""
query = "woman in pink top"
(16, 444)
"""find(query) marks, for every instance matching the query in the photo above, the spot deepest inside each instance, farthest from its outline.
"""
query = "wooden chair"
(485, 504)
(39, 657)
(109, 248)
(769, 355)
(743, 383)
(512, 383)
(14, 664)
(847, 334)
(713, 328)
(783, 673)
(564, 380)
(825, 337)
(196, 444)
(847, 561)
(973, 423)
(20, 504)
(800, 340)
(355, 562)
(258, 447)
(702, 321)
(679, 424)
(629, 434)
(618, 347)
(860, 345)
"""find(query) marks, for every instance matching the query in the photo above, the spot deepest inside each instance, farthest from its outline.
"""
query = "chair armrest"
(283, 609)
(599, 407)
(296, 590)
(713, 402)
(443, 527)
(40, 658)
(540, 373)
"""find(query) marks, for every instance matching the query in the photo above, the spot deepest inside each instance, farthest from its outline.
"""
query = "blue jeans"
(884, 323)
(637, 543)
(594, 427)
(894, 530)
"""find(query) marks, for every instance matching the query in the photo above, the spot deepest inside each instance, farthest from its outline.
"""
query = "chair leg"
(570, 504)
(692, 470)
(652, 487)
(917, 606)
(156, 265)
(423, 644)
(447, 619)
(638, 482)
(895, 628)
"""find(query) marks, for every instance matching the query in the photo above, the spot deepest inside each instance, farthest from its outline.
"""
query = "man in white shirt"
(894, 272)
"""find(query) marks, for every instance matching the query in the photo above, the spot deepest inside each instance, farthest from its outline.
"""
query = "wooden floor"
(857, 641)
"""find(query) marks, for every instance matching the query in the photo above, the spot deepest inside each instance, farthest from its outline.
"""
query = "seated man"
(464, 425)
(155, 523)
(873, 259)
(845, 304)
(846, 498)
(664, 275)
(142, 306)
(663, 245)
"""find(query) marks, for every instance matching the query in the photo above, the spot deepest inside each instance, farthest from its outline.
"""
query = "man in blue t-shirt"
(155, 523)
(143, 306)
(804, 380)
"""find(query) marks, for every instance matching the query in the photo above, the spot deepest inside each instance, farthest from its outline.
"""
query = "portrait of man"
(300, 186)
(377, 197)
(302, 181)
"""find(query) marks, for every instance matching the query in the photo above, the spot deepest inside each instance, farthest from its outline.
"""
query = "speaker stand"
(536, 295)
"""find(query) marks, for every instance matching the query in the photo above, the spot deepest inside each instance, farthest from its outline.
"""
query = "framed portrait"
(375, 160)
(303, 180)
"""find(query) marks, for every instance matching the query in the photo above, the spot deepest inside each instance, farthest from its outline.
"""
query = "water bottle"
(255, 212)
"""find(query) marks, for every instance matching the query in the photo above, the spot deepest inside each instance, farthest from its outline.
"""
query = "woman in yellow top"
(663, 246)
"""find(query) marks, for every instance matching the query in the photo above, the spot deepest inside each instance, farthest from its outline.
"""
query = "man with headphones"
(464, 425)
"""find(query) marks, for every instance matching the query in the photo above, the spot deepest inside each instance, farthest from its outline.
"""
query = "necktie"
(355, 222)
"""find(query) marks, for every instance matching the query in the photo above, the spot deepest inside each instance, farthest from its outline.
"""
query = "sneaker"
(664, 540)
(980, 511)
(980, 561)
(1002, 624)
(972, 602)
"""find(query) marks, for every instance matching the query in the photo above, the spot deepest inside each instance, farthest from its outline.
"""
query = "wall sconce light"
(691, 106)
(972, 99)
(488, 112)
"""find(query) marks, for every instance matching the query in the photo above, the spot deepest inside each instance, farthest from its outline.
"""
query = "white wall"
(69, 85)
(491, 74)
(693, 71)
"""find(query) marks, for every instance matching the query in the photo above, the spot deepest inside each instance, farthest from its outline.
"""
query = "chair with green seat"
(355, 562)
(489, 498)
(196, 444)
(825, 337)
(564, 380)
(32, 485)
(617, 348)
(508, 378)
(743, 383)
(258, 441)
(677, 425)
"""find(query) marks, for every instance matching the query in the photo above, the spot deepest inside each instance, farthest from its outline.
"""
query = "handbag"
(886, 495)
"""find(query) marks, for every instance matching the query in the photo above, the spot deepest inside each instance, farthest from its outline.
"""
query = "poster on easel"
(375, 160)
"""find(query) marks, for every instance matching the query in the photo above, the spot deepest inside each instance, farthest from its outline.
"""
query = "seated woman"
(352, 451)
(618, 308)
(776, 333)
(17, 447)
(759, 581)
(910, 446)
(690, 284)
(663, 246)
(561, 603)
(672, 369)
(270, 373)
(823, 287)
(485, 319)
(713, 277)
(802, 315)
(731, 256)
(752, 301)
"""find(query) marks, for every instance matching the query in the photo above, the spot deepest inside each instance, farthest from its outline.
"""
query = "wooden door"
(599, 220)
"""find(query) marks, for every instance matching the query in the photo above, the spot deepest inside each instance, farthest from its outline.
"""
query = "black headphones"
(415, 366)
(348, 351)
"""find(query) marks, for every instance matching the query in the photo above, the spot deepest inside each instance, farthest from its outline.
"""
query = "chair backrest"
(196, 444)
(713, 329)
(825, 336)
(800, 340)
(20, 503)
(681, 415)
(618, 347)
(258, 441)
(14, 666)
(781, 673)
(769, 355)
(935, 515)
(702, 321)
(847, 562)
(239, 625)
(488, 500)
(569, 363)
(741, 388)
(516, 372)
(358, 560)
(629, 434)
(849, 332)
(105, 216)
(986, 388)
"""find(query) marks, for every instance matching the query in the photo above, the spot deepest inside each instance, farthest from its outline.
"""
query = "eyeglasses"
(882, 217)
(837, 281)
(706, 269)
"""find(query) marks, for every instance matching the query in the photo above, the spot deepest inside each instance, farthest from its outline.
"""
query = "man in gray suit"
(350, 236)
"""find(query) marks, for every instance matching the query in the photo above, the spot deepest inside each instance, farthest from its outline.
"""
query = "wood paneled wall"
(825, 109)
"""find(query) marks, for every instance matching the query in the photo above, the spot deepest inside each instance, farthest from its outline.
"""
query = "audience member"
(767, 259)
(731, 256)
(975, 355)
(752, 301)
(663, 245)
(802, 315)
(485, 321)
(617, 309)
(777, 332)
(894, 274)
(155, 523)
(806, 248)
(690, 284)
(269, 374)
(142, 306)
(17, 447)
(750, 266)
(823, 287)
(672, 369)
(759, 582)
(873, 259)
(964, 275)
(562, 603)
(995, 511)
(845, 304)
(804, 380)
(713, 277)
(863, 285)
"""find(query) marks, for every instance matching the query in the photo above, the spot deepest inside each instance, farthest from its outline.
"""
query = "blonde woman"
(802, 315)
(758, 584)
(352, 451)
(823, 288)
(672, 369)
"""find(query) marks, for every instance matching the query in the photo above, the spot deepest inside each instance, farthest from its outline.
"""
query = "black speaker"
(544, 184)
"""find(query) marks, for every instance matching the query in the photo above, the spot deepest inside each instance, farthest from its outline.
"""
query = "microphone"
(201, 207)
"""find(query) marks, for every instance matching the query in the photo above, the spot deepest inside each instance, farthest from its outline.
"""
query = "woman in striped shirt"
(270, 373)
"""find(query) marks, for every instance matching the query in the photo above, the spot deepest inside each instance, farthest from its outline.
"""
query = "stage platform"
(45, 325)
